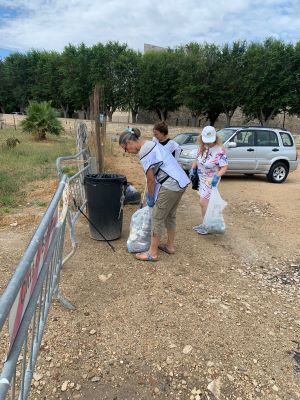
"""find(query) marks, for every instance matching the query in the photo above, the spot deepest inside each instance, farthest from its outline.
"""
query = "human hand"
(193, 171)
(150, 200)
(215, 181)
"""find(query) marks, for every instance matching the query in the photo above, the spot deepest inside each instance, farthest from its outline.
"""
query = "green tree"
(198, 84)
(230, 77)
(17, 79)
(268, 83)
(41, 119)
(76, 78)
(159, 82)
(114, 66)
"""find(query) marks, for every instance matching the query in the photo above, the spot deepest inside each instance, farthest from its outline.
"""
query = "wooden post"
(98, 136)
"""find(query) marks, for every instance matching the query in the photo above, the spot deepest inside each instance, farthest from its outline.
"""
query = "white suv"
(254, 150)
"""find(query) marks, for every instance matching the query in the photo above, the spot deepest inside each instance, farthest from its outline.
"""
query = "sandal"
(145, 257)
(164, 248)
(202, 230)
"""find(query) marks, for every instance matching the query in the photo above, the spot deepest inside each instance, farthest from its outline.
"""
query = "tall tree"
(159, 82)
(268, 82)
(230, 77)
(75, 75)
(198, 87)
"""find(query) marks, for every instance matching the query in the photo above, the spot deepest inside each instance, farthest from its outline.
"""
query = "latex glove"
(215, 181)
(150, 200)
(193, 171)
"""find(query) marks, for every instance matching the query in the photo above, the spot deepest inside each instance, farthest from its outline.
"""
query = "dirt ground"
(218, 320)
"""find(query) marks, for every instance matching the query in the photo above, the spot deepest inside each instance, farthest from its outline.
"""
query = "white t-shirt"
(172, 146)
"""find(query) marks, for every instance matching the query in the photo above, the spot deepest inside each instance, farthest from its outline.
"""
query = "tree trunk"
(229, 115)
(195, 117)
(212, 117)
(134, 114)
(65, 110)
(109, 114)
(162, 114)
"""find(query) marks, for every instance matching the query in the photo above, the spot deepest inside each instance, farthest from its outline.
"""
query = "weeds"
(28, 162)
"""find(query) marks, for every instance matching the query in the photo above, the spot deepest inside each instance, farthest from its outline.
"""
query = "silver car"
(253, 150)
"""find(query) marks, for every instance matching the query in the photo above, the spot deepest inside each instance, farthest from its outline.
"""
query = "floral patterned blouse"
(210, 162)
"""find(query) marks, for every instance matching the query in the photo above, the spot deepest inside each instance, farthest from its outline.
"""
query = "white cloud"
(52, 24)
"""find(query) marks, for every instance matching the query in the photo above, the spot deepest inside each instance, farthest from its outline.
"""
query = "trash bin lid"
(105, 178)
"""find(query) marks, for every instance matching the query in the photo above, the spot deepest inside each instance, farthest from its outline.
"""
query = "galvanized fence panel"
(25, 303)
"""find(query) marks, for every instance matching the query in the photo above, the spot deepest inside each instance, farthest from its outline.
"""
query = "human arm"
(150, 178)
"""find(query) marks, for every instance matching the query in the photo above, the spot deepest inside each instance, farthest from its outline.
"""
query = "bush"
(41, 119)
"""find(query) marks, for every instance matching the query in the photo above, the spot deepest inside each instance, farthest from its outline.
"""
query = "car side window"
(190, 139)
(266, 138)
(286, 139)
(243, 138)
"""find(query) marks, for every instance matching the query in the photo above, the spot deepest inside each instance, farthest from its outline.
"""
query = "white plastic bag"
(213, 219)
(140, 231)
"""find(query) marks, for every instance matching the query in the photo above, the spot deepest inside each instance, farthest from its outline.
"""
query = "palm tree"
(41, 119)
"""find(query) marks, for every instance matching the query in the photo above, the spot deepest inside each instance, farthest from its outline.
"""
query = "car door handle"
(250, 149)
(275, 149)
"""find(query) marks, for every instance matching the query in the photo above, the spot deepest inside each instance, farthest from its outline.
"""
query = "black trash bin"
(105, 197)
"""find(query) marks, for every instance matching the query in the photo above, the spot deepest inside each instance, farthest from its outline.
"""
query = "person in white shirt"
(160, 134)
(166, 183)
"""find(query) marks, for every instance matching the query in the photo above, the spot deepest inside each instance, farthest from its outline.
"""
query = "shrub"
(41, 119)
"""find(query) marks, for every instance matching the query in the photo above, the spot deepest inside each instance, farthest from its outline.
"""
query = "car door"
(242, 156)
(266, 149)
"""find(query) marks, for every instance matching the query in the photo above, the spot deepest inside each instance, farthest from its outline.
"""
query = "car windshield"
(185, 138)
(226, 133)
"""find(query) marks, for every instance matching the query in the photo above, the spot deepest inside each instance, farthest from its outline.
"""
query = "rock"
(78, 387)
(92, 332)
(95, 379)
(156, 390)
(215, 388)
(37, 377)
(64, 386)
(104, 278)
(187, 349)
(169, 360)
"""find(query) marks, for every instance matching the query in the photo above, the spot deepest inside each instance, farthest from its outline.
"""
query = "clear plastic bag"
(140, 231)
(213, 219)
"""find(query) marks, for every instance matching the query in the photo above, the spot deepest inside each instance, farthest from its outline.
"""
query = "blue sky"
(52, 24)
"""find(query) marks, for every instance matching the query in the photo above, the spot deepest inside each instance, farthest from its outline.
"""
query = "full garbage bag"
(140, 231)
(213, 219)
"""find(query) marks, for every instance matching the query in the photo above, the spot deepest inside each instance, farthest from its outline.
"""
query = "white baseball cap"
(209, 134)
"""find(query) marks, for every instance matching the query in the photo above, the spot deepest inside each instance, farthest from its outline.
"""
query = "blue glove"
(215, 181)
(193, 171)
(150, 200)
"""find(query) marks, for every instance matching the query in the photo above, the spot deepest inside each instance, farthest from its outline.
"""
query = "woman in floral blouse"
(210, 164)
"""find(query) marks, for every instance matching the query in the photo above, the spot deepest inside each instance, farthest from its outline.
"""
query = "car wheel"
(278, 172)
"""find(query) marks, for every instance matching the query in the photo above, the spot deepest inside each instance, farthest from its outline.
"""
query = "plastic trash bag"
(140, 231)
(213, 219)
(132, 196)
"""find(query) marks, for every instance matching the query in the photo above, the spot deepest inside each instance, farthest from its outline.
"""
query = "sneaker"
(202, 230)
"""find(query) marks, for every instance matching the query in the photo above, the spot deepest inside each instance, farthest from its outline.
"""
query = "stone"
(187, 349)
(64, 386)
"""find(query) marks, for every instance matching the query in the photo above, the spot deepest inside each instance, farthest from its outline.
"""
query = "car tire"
(278, 172)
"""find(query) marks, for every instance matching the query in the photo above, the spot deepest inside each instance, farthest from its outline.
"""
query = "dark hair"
(129, 134)
(161, 127)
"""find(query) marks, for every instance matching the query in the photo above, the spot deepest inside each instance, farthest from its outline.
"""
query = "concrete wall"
(121, 121)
